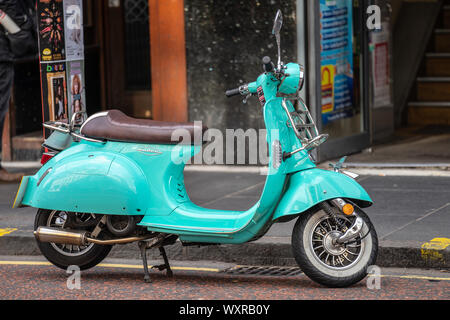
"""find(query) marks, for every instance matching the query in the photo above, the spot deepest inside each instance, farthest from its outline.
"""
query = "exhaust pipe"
(57, 235)
(79, 238)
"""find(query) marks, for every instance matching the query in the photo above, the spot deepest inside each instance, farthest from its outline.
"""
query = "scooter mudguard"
(309, 187)
(81, 179)
(108, 179)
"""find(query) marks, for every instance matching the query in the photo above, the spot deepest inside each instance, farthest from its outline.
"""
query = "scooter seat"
(117, 126)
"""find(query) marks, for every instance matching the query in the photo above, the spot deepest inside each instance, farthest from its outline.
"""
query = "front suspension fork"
(357, 225)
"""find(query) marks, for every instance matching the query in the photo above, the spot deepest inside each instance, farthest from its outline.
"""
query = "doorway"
(343, 86)
(127, 62)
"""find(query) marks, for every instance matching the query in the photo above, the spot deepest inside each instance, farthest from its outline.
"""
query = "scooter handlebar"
(243, 90)
(232, 92)
(267, 64)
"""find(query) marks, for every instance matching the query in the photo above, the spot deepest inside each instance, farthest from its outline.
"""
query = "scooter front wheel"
(327, 262)
(62, 255)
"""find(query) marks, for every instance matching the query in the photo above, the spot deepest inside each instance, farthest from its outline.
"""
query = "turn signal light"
(348, 209)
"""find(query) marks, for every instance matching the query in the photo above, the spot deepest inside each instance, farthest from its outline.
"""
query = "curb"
(275, 254)
(364, 168)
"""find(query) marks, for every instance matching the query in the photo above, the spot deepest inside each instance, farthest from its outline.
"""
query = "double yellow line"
(106, 265)
(134, 266)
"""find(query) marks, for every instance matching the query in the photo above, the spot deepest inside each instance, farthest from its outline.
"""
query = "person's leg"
(6, 82)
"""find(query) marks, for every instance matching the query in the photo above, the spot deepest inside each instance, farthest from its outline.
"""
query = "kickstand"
(143, 248)
(166, 264)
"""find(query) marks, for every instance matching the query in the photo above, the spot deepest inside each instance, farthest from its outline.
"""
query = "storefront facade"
(341, 50)
(173, 60)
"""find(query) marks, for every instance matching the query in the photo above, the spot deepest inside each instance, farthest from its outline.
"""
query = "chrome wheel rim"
(57, 219)
(329, 253)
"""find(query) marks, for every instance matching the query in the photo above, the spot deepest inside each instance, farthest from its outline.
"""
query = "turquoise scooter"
(111, 179)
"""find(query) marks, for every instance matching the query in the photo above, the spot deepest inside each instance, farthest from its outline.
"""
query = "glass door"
(342, 109)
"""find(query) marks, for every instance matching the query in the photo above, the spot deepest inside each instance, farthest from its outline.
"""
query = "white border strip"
(400, 172)
(21, 164)
(263, 170)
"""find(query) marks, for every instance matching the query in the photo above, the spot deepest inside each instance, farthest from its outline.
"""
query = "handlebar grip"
(232, 92)
(267, 64)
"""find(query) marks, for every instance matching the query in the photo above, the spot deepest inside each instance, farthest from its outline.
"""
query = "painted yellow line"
(6, 231)
(432, 250)
(414, 277)
(106, 265)
(26, 263)
(135, 266)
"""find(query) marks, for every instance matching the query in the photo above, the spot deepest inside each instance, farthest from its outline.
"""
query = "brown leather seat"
(117, 126)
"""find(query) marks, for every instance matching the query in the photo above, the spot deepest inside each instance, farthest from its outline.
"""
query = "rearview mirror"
(277, 24)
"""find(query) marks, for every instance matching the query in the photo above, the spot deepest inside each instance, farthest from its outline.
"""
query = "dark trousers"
(6, 82)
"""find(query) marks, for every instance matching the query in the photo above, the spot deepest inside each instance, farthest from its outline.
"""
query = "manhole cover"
(264, 270)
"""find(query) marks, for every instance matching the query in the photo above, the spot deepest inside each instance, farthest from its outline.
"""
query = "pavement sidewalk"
(411, 215)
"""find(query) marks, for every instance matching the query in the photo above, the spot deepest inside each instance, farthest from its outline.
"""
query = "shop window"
(137, 48)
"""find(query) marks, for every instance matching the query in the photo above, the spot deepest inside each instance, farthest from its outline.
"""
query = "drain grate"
(264, 270)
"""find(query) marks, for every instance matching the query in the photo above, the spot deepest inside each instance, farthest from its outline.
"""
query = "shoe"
(5, 176)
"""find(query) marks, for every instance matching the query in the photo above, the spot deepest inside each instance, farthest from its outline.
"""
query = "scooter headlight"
(294, 80)
(301, 77)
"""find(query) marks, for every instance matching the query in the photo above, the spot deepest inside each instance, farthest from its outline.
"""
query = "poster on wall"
(54, 88)
(61, 56)
(74, 29)
(77, 101)
(381, 83)
(336, 34)
(51, 30)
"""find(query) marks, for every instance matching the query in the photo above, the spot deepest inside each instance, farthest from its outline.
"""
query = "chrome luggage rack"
(304, 127)
(72, 127)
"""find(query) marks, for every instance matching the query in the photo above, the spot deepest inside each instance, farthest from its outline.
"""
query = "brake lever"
(246, 98)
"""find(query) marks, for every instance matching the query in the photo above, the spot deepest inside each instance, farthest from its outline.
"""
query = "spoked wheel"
(323, 259)
(65, 255)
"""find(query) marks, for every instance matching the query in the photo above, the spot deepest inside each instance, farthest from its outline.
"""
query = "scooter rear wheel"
(63, 256)
(328, 263)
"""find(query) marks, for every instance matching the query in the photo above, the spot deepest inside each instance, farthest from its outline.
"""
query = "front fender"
(309, 187)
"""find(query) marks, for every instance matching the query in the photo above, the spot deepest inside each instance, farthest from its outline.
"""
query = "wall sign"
(381, 67)
(61, 57)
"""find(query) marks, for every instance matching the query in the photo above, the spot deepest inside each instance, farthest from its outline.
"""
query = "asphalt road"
(405, 208)
(34, 278)
(409, 212)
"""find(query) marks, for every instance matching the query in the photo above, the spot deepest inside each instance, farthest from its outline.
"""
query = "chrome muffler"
(78, 238)
(58, 235)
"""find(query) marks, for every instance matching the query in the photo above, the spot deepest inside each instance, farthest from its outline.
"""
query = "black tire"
(309, 261)
(93, 256)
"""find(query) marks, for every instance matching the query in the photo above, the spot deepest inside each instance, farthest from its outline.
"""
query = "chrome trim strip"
(187, 228)
(86, 138)
(98, 114)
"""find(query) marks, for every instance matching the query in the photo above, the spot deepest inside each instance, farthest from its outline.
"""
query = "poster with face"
(77, 100)
(51, 30)
(59, 111)
(73, 17)
(54, 92)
